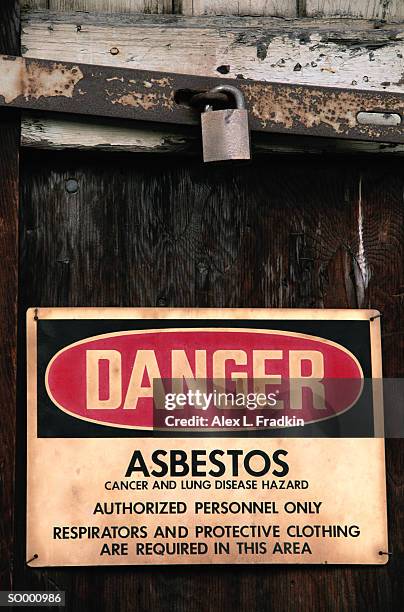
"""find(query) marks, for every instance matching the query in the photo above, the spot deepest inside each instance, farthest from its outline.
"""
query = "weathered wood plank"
(41, 133)
(35, 4)
(274, 8)
(278, 8)
(107, 6)
(334, 53)
(9, 199)
(365, 9)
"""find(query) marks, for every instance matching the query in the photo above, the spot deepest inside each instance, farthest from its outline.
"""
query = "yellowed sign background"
(68, 483)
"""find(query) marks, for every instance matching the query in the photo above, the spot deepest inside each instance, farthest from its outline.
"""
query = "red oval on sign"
(108, 379)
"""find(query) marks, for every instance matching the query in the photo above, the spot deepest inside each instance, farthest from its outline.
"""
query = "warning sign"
(160, 436)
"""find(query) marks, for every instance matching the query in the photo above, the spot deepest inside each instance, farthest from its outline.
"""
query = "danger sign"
(163, 436)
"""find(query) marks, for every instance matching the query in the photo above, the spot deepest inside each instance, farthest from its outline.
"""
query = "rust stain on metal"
(151, 96)
(33, 80)
(146, 101)
(164, 82)
(300, 106)
(58, 80)
(312, 108)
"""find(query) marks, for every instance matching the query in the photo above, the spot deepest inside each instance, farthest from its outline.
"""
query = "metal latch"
(105, 91)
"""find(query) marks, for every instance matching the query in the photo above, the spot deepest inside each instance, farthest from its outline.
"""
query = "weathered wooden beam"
(367, 9)
(9, 197)
(42, 133)
(274, 8)
(279, 8)
(339, 53)
(351, 54)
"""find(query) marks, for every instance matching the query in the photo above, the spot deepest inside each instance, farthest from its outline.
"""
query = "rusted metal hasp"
(106, 91)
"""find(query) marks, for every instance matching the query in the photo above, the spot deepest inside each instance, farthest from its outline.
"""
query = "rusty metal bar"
(106, 91)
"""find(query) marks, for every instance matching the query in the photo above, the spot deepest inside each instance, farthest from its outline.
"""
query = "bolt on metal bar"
(105, 91)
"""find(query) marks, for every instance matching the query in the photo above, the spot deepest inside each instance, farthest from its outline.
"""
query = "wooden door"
(133, 229)
(102, 230)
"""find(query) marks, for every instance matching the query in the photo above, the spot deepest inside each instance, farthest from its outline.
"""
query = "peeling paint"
(58, 81)
(301, 106)
(11, 80)
(163, 82)
(33, 80)
(145, 101)
(310, 107)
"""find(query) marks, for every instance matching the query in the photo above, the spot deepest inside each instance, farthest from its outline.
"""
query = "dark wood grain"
(9, 149)
(280, 233)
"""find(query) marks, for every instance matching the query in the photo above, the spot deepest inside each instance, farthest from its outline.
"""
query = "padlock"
(225, 132)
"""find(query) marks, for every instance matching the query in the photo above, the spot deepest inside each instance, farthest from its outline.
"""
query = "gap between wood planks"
(343, 53)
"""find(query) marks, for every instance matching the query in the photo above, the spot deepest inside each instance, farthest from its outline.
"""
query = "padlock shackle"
(236, 93)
